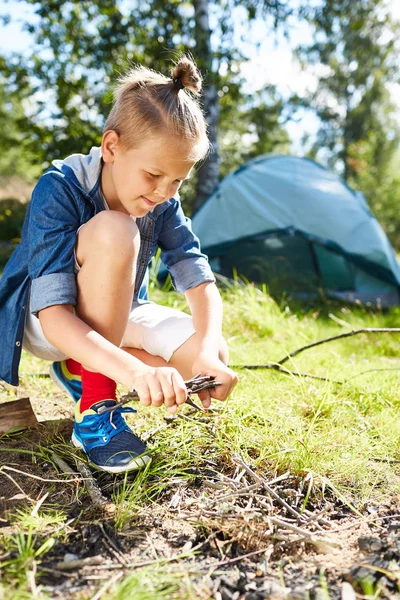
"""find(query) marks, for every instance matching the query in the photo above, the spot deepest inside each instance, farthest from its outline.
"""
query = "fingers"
(228, 380)
(162, 385)
(205, 398)
(180, 389)
(156, 391)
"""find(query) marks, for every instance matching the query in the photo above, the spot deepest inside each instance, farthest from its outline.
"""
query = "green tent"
(294, 225)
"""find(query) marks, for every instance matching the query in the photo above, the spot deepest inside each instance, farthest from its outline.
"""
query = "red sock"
(95, 388)
(73, 367)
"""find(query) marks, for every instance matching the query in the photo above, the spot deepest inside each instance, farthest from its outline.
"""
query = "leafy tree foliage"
(16, 158)
(80, 46)
(355, 53)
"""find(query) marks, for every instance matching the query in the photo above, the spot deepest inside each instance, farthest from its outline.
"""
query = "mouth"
(149, 202)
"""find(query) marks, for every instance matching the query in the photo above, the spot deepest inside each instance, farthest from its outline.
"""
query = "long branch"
(275, 365)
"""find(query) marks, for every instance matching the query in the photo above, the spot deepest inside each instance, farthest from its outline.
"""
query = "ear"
(110, 145)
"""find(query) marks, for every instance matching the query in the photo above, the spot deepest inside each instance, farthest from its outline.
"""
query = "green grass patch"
(340, 439)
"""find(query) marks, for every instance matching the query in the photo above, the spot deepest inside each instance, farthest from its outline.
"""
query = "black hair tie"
(178, 82)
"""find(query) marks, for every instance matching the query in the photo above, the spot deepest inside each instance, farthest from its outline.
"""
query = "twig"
(371, 371)
(93, 489)
(370, 519)
(64, 466)
(31, 577)
(116, 554)
(6, 468)
(338, 337)
(238, 558)
(112, 547)
(162, 561)
(57, 572)
(240, 492)
(314, 537)
(16, 485)
(277, 367)
(268, 488)
(71, 565)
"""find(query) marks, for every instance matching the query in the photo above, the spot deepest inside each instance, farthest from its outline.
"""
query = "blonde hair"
(147, 104)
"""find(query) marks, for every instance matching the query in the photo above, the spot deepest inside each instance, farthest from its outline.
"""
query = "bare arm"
(76, 339)
(206, 307)
(205, 304)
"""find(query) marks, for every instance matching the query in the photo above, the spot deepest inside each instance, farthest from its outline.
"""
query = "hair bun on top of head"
(186, 75)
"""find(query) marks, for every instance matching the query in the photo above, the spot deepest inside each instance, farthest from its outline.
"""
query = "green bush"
(12, 214)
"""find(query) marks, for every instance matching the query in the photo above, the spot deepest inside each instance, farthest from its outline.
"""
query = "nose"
(162, 191)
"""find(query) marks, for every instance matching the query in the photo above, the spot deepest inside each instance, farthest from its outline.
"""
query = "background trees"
(80, 47)
(54, 98)
(356, 48)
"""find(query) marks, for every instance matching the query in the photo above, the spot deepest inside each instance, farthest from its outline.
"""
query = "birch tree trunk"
(208, 174)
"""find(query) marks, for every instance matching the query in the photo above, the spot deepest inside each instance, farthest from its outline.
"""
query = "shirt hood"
(83, 169)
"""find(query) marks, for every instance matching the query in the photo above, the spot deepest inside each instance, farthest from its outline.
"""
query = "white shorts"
(159, 330)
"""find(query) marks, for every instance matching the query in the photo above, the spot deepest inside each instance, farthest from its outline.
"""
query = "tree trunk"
(208, 174)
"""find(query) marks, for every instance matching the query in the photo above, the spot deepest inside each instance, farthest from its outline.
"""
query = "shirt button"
(142, 262)
(18, 344)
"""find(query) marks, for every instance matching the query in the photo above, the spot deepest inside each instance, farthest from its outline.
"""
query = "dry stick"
(6, 468)
(56, 572)
(277, 367)
(161, 561)
(16, 485)
(279, 363)
(240, 492)
(267, 487)
(371, 371)
(338, 337)
(314, 537)
(112, 547)
(71, 565)
(370, 519)
(93, 489)
(238, 558)
(117, 555)
(61, 464)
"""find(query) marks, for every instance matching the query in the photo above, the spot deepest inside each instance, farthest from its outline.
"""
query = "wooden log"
(17, 414)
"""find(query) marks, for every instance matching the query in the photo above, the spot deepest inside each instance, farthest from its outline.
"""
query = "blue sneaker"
(107, 440)
(72, 384)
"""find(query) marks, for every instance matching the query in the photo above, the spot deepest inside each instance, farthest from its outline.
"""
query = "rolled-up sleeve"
(180, 251)
(53, 222)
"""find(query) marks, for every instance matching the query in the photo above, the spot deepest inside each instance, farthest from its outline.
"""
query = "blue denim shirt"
(40, 273)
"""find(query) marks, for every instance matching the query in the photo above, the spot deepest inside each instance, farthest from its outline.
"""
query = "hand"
(160, 385)
(223, 374)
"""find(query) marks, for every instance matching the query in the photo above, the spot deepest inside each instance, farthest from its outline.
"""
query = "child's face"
(134, 181)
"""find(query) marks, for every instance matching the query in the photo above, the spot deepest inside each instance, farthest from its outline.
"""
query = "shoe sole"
(59, 383)
(140, 463)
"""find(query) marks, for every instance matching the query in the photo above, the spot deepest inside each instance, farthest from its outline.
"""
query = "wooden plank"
(17, 414)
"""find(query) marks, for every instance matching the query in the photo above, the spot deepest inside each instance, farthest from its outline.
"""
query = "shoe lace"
(112, 422)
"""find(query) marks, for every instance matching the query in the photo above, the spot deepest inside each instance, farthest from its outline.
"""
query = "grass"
(336, 439)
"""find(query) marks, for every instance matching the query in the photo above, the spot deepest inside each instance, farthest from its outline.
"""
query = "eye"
(152, 175)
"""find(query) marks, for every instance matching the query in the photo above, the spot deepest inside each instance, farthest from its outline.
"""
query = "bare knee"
(110, 234)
